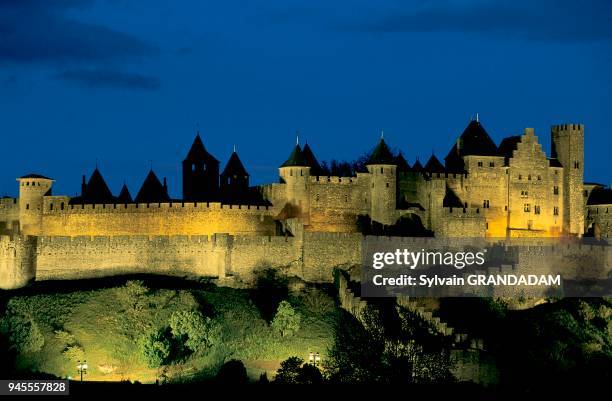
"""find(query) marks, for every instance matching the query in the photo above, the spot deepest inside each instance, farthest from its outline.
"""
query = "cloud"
(547, 20)
(108, 79)
(36, 31)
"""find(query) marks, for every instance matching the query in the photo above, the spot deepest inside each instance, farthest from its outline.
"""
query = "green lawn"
(107, 322)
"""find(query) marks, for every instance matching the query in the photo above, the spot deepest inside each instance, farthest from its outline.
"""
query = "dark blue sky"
(127, 84)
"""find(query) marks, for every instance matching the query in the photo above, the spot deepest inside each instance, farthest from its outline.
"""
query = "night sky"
(127, 83)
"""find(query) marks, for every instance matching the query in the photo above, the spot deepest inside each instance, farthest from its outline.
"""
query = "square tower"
(567, 141)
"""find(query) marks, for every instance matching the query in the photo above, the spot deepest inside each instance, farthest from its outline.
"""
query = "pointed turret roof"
(311, 160)
(433, 165)
(96, 190)
(124, 195)
(152, 190)
(381, 154)
(474, 141)
(296, 158)
(234, 166)
(417, 167)
(402, 163)
(199, 153)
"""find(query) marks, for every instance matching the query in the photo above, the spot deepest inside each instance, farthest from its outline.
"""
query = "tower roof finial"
(477, 117)
(382, 134)
(234, 148)
(297, 137)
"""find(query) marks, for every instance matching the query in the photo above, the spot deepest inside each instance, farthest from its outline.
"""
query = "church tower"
(200, 174)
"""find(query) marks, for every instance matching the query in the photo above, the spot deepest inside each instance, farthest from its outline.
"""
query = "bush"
(197, 331)
(232, 372)
(294, 371)
(154, 347)
(65, 337)
(287, 320)
(317, 302)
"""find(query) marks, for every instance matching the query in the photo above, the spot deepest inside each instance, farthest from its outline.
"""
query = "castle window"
(505, 208)
(555, 190)
(62, 206)
(536, 209)
(586, 193)
(539, 178)
(529, 177)
(382, 170)
(479, 164)
(524, 194)
(291, 173)
(51, 206)
(520, 177)
(485, 204)
(28, 183)
(301, 173)
(317, 197)
(556, 211)
(387, 185)
(526, 208)
(491, 164)
(576, 164)
(27, 206)
(346, 198)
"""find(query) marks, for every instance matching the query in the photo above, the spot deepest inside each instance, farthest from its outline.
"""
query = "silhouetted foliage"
(294, 371)
(232, 372)
(270, 289)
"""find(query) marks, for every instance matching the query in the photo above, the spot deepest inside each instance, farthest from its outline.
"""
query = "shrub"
(294, 371)
(317, 302)
(154, 347)
(198, 332)
(287, 320)
(232, 372)
(65, 337)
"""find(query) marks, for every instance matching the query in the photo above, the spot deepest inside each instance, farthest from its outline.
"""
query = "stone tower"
(382, 168)
(568, 148)
(200, 174)
(295, 173)
(32, 188)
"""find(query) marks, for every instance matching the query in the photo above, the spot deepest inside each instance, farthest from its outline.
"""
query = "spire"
(124, 195)
(311, 160)
(296, 158)
(234, 167)
(198, 153)
(152, 190)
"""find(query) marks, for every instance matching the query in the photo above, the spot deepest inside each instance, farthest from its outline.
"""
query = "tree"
(24, 335)
(287, 320)
(154, 347)
(232, 372)
(294, 371)
(197, 331)
(289, 371)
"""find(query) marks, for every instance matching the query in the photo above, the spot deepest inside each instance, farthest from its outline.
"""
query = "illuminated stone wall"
(17, 261)
(155, 219)
(601, 217)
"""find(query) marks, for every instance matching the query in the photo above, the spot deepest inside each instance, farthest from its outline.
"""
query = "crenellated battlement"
(51, 207)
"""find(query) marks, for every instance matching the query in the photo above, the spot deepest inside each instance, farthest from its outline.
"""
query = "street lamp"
(82, 368)
(314, 358)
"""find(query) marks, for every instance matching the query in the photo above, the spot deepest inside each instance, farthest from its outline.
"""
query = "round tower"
(383, 175)
(295, 174)
(32, 189)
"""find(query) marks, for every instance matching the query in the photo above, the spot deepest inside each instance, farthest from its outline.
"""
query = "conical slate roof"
(417, 167)
(402, 164)
(96, 190)
(198, 152)
(124, 195)
(311, 160)
(152, 190)
(296, 158)
(433, 165)
(234, 167)
(381, 154)
(474, 141)
(42, 177)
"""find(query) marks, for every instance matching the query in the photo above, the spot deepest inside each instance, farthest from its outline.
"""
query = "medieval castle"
(308, 221)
